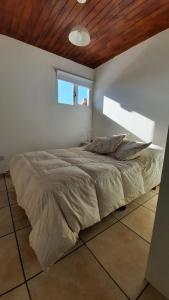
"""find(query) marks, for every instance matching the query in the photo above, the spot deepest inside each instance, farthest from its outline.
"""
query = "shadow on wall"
(135, 123)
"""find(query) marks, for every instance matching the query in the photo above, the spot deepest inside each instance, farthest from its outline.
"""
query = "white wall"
(133, 92)
(30, 119)
(158, 265)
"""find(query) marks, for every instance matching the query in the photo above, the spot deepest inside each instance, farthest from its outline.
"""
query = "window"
(83, 95)
(73, 90)
(65, 92)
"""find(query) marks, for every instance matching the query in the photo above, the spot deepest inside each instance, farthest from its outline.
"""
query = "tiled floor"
(108, 261)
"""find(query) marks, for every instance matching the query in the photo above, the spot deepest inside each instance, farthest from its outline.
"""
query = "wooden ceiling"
(115, 25)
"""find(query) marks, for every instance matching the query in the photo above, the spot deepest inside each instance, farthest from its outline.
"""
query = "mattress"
(66, 190)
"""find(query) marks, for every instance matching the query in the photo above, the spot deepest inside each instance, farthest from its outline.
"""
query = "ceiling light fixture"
(81, 1)
(79, 35)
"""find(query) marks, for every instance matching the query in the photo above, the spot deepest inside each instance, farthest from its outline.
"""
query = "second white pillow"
(105, 145)
(130, 150)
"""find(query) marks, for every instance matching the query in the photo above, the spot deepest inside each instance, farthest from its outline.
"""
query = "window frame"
(76, 81)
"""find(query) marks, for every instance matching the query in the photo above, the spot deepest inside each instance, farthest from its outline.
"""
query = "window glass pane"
(65, 92)
(83, 95)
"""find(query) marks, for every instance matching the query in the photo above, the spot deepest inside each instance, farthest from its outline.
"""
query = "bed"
(64, 191)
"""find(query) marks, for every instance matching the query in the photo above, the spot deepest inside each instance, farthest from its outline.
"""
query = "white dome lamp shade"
(79, 36)
(81, 1)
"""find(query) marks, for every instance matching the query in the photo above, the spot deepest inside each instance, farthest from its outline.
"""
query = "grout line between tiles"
(33, 276)
(116, 221)
(119, 220)
(27, 226)
(135, 232)
(142, 291)
(83, 244)
(150, 209)
(138, 205)
(60, 259)
(155, 194)
(17, 243)
(12, 289)
(106, 271)
(12, 232)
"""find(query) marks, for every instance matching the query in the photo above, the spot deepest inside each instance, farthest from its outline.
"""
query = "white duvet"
(66, 190)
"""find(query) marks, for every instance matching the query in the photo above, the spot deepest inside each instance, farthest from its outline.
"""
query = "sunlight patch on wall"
(134, 122)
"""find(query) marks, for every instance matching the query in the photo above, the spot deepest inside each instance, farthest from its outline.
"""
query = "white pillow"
(104, 145)
(130, 150)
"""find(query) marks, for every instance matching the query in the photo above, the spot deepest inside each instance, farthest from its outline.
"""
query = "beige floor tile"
(2, 184)
(141, 221)
(3, 199)
(78, 276)
(152, 203)
(19, 293)
(119, 214)
(12, 197)
(8, 180)
(151, 293)
(124, 255)
(89, 233)
(29, 260)
(10, 268)
(5, 221)
(142, 199)
(19, 217)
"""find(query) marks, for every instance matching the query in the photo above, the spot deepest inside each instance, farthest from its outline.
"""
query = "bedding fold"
(66, 190)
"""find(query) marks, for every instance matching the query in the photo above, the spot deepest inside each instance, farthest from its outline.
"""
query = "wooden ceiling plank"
(59, 6)
(116, 19)
(82, 13)
(63, 17)
(148, 15)
(98, 32)
(123, 47)
(141, 35)
(36, 13)
(74, 14)
(84, 22)
(43, 18)
(114, 25)
(25, 18)
(116, 8)
(12, 14)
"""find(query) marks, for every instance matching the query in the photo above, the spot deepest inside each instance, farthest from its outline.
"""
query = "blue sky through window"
(83, 93)
(65, 92)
